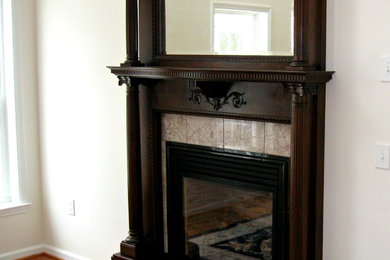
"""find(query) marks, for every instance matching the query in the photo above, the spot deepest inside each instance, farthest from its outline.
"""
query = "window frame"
(19, 204)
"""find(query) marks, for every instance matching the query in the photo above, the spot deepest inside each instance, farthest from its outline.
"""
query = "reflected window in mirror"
(241, 30)
(229, 27)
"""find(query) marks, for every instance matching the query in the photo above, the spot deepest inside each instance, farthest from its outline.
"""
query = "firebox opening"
(225, 204)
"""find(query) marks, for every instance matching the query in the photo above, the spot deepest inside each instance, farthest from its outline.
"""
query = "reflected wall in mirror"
(229, 27)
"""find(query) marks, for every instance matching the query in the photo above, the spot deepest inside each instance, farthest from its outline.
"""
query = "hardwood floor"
(40, 256)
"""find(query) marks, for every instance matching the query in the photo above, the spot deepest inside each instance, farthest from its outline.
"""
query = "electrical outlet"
(386, 68)
(382, 156)
(71, 208)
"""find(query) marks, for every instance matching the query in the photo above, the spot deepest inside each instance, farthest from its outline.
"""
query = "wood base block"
(129, 251)
(118, 256)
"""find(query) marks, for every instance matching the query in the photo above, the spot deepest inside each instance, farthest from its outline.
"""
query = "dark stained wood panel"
(265, 101)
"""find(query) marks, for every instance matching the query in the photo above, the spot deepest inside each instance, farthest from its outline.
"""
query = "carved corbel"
(124, 80)
(131, 85)
(301, 91)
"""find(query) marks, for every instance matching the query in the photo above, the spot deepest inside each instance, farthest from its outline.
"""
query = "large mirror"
(229, 27)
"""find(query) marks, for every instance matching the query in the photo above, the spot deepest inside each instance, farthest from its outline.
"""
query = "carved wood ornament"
(217, 96)
(280, 89)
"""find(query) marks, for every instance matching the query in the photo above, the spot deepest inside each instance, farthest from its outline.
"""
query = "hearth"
(226, 204)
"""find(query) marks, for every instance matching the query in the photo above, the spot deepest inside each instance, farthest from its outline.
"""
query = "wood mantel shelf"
(213, 74)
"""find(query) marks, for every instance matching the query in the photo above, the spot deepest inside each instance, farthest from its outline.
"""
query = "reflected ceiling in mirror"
(229, 27)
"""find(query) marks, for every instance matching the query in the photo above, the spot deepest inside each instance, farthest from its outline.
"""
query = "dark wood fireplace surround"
(283, 89)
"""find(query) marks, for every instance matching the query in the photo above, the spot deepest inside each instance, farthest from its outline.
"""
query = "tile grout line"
(265, 152)
(223, 133)
(186, 128)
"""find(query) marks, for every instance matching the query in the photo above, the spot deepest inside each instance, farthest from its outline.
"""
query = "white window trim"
(21, 206)
(10, 209)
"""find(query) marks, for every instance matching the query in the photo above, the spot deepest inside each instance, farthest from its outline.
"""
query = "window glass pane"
(9, 182)
(4, 180)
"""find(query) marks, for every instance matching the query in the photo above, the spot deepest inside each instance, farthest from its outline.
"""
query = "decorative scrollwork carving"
(238, 99)
(216, 102)
(196, 96)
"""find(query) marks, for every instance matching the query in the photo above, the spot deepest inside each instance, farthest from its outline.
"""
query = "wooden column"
(131, 247)
(303, 174)
(319, 178)
(132, 58)
(300, 55)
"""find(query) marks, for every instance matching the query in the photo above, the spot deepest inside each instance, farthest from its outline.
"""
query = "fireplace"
(283, 95)
(278, 120)
(248, 137)
(226, 204)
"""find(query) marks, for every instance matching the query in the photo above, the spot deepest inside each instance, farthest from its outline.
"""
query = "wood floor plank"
(40, 256)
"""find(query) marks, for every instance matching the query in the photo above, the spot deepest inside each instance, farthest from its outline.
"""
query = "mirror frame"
(309, 41)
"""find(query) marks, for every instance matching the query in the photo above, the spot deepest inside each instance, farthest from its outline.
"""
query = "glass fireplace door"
(226, 205)
(223, 221)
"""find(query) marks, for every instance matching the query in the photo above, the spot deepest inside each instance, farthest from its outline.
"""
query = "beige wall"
(189, 28)
(82, 125)
(24, 230)
(357, 195)
(83, 130)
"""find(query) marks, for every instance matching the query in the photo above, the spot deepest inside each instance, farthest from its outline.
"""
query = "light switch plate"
(382, 156)
(71, 208)
(386, 68)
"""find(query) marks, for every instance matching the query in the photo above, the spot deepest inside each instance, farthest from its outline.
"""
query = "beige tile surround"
(250, 136)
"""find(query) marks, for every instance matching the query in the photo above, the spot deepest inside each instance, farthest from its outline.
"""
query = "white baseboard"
(22, 252)
(62, 253)
(39, 249)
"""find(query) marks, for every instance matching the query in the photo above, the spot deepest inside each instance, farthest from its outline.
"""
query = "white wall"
(24, 230)
(357, 196)
(82, 124)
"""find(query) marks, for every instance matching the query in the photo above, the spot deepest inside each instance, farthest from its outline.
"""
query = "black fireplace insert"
(226, 204)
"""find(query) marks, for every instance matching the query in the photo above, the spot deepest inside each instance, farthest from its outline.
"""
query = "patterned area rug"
(257, 244)
(245, 241)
